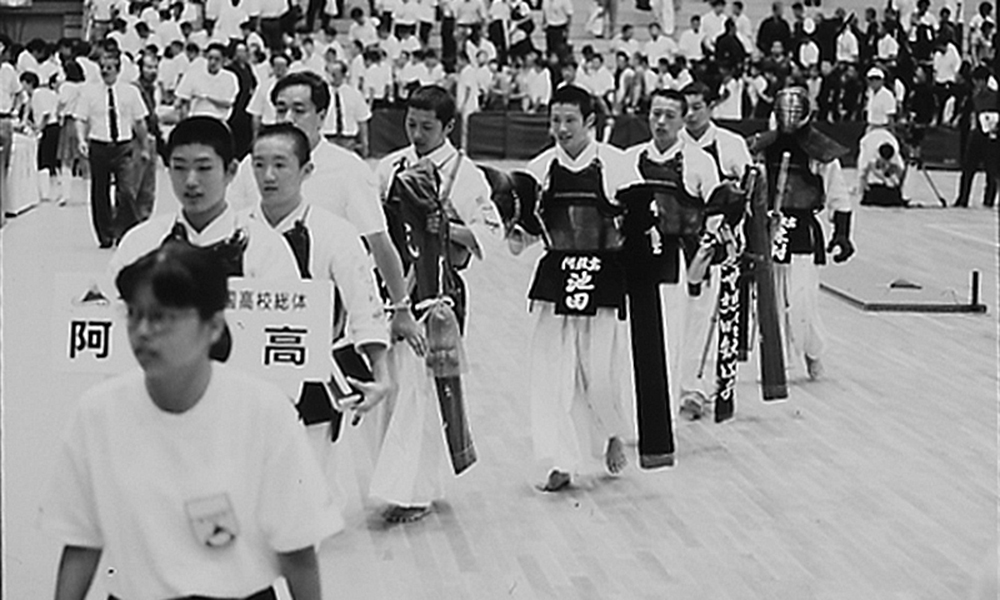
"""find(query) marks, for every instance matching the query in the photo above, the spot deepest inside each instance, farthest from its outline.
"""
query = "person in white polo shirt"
(260, 107)
(881, 107)
(208, 92)
(347, 120)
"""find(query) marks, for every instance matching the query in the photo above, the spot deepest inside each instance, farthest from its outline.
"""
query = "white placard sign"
(281, 330)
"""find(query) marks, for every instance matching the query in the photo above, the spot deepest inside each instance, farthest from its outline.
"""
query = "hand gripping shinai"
(438, 291)
(649, 364)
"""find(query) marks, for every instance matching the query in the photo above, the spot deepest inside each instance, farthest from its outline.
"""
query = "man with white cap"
(881, 106)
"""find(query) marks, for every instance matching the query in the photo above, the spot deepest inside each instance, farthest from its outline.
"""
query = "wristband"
(404, 304)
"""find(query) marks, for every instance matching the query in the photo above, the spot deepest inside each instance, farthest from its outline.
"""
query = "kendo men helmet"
(791, 109)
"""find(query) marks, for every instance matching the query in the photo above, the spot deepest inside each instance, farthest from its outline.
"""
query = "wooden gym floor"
(878, 481)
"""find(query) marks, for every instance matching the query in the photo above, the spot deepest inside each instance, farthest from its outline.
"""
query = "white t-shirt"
(539, 86)
(712, 26)
(151, 488)
(341, 183)
(662, 47)
(690, 44)
(44, 107)
(378, 80)
(869, 152)
(881, 105)
(730, 107)
(260, 103)
(198, 83)
(9, 86)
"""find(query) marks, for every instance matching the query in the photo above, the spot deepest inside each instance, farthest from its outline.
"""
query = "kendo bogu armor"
(581, 227)
(796, 191)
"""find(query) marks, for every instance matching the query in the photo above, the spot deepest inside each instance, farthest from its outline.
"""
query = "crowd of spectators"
(221, 57)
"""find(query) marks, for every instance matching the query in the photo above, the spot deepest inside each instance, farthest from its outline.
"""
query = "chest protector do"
(678, 214)
(804, 190)
(576, 213)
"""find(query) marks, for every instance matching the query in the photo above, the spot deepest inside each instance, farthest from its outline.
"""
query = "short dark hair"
(203, 130)
(886, 151)
(276, 55)
(73, 70)
(300, 143)
(319, 91)
(217, 46)
(575, 95)
(670, 95)
(30, 78)
(698, 88)
(981, 73)
(180, 275)
(434, 98)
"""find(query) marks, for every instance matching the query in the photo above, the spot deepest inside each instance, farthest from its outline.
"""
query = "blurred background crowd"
(908, 64)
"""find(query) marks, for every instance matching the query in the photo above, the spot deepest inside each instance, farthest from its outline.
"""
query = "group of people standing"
(188, 458)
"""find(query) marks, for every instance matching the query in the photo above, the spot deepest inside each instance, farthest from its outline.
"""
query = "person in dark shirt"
(983, 146)
(729, 50)
(827, 30)
(774, 28)
(239, 119)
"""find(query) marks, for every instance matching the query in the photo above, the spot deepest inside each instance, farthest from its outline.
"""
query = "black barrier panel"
(940, 147)
(527, 134)
(387, 131)
(487, 135)
(523, 135)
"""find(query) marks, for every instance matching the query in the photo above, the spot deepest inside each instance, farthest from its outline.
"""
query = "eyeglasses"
(157, 320)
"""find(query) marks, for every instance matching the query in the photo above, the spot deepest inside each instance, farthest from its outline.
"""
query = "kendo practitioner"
(201, 163)
(412, 463)
(580, 374)
(652, 254)
(340, 183)
(804, 178)
(711, 299)
(325, 247)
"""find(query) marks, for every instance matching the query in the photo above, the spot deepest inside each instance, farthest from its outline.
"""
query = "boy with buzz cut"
(580, 371)
(325, 247)
(201, 164)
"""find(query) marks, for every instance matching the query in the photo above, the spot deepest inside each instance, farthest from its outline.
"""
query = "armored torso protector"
(576, 213)
(676, 214)
(804, 189)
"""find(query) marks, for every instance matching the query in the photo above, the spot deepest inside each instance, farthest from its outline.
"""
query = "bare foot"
(558, 480)
(405, 514)
(614, 457)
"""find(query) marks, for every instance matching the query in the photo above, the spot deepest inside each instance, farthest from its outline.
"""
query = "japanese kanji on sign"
(281, 330)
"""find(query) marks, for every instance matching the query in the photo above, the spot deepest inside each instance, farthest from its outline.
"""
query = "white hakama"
(797, 291)
(413, 463)
(581, 387)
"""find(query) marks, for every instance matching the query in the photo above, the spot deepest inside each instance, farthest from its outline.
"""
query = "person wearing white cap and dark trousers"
(881, 107)
(107, 116)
